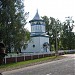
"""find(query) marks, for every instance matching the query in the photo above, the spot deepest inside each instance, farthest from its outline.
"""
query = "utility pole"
(56, 42)
(56, 50)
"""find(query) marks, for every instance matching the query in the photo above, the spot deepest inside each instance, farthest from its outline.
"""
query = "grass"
(27, 63)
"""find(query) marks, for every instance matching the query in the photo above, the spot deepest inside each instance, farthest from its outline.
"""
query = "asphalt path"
(64, 66)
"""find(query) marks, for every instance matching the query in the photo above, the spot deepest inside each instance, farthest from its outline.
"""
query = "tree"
(67, 38)
(60, 34)
(7, 16)
(12, 22)
(52, 26)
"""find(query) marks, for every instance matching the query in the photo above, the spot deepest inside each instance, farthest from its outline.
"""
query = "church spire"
(36, 17)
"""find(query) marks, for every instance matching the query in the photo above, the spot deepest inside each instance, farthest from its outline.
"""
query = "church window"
(37, 23)
(33, 46)
(33, 28)
(36, 27)
(34, 22)
(41, 22)
(39, 27)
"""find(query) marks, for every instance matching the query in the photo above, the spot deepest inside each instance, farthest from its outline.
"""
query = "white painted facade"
(39, 42)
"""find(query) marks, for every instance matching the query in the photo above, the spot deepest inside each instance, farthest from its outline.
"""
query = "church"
(39, 40)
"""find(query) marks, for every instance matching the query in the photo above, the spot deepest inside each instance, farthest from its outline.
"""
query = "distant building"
(39, 42)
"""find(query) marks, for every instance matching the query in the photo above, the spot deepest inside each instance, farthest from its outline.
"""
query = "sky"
(51, 8)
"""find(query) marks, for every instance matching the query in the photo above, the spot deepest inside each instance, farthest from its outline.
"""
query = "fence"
(13, 58)
(23, 57)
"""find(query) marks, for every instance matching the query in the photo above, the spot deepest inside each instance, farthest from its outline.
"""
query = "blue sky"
(51, 8)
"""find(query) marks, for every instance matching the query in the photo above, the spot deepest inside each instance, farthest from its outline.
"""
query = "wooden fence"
(24, 57)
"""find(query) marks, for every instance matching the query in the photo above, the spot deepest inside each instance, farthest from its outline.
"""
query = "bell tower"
(37, 25)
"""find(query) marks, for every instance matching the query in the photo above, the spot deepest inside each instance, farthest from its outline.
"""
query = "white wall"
(42, 41)
(38, 42)
(34, 41)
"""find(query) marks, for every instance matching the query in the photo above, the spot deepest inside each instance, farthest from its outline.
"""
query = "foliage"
(12, 22)
(52, 26)
(68, 37)
(61, 31)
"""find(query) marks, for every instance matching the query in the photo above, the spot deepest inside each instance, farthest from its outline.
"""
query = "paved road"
(64, 66)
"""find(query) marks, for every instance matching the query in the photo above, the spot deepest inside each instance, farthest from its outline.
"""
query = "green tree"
(53, 27)
(67, 38)
(7, 11)
(12, 22)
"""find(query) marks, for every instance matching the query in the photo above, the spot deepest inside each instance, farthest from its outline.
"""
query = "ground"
(64, 66)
